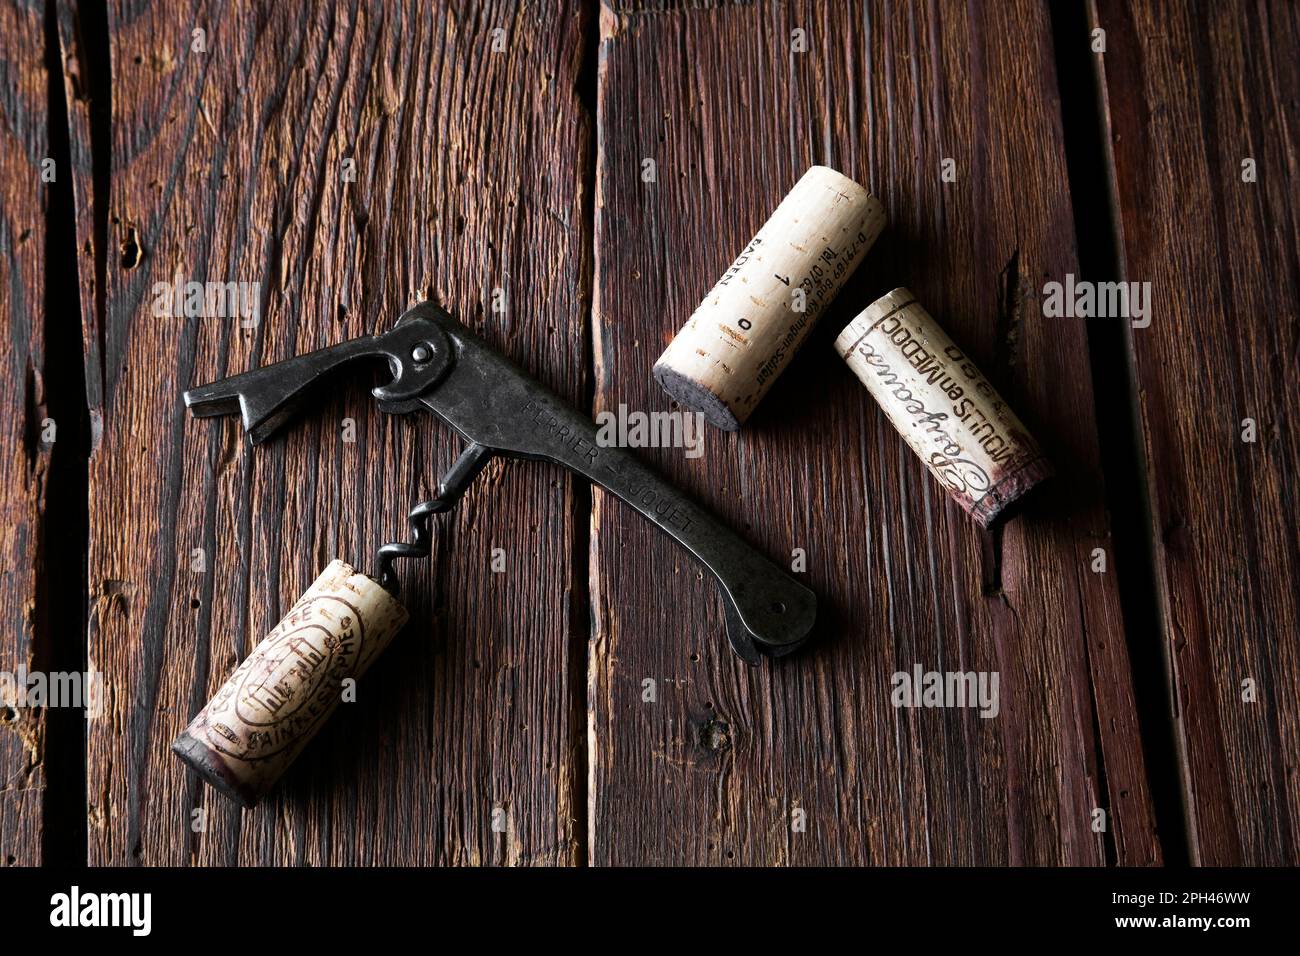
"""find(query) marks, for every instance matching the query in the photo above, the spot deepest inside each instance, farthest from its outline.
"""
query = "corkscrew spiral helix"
(450, 490)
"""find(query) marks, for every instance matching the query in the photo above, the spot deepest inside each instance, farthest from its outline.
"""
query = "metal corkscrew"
(283, 692)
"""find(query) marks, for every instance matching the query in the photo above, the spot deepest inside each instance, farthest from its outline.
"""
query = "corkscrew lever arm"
(267, 397)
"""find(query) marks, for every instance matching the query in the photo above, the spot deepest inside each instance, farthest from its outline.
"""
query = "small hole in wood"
(131, 252)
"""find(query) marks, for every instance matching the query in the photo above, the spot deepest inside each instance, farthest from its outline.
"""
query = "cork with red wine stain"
(944, 407)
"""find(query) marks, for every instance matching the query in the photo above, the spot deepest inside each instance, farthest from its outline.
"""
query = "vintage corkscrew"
(286, 689)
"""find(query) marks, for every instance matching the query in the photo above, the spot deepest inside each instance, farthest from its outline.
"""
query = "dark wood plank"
(227, 166)
(24, 465)
(1194, 91)
(712, 772)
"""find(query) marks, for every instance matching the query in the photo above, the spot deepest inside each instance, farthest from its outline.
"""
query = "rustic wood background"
(1203, 90)
(500, 146)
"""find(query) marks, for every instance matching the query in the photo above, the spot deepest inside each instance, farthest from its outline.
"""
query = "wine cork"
(749, 326)
(277, 699)
(945, 409)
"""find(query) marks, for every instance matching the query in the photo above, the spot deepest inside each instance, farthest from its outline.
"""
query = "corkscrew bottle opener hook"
(439, 365)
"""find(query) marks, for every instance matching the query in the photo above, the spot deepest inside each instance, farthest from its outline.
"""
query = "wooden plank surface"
(1193, 93)
(24, 463)
(228, 165)
(472, 169)
(714, 770)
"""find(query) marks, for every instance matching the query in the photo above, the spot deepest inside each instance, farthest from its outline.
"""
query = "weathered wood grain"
(1193, 92)
(24, 461)
(713, 772)
(229, 165)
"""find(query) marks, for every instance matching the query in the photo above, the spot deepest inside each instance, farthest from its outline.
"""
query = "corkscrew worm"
(453, 485)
